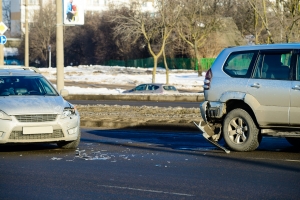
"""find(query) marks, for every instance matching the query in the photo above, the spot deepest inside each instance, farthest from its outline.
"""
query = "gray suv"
(32, 111)
(253, 91)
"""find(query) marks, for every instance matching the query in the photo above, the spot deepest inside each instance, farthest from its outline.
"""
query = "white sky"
(181, 79)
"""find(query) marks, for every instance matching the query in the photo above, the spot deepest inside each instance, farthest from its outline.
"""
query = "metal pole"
(49, 48)
(59, 46)
(26, 35)
(1, 46)
(49, 59)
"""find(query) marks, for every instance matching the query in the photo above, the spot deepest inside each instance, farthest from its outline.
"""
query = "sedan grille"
(18, 135)
(36, 118)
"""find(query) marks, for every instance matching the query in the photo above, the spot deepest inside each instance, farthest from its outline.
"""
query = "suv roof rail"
(36, 70)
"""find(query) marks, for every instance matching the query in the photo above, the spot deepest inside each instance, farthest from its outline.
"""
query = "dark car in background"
(157, 88)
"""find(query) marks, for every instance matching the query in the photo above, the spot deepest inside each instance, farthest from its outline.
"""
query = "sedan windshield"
(29, 85)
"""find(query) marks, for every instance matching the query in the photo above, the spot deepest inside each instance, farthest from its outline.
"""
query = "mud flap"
(208, 133)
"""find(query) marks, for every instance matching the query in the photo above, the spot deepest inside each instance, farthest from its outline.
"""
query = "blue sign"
(3, 39)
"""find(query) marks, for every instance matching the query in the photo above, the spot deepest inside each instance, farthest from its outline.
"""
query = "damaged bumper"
(212, 110)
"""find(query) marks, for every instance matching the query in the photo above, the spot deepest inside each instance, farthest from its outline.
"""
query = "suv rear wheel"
(240, 131)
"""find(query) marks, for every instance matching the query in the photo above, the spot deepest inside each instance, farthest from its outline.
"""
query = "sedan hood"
(14, 105)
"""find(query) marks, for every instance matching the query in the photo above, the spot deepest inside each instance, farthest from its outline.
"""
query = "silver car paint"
(283, 105)
(15, 105)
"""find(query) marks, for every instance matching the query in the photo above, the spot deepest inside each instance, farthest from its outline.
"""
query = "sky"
(181, 79)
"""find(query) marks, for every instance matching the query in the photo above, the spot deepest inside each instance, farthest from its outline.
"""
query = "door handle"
(296, 87)
(255, 85)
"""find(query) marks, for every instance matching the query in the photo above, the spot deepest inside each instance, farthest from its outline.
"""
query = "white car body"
(33, 116)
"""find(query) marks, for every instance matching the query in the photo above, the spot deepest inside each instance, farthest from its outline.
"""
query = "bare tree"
(288, 14)
(41, 35)
(154, 27)
(6, 12)
(197, 22)
(260, 8)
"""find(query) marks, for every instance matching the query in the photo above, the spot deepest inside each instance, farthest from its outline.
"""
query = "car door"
(150, 88)
(295, 96)
(270, 86)
(140, 88)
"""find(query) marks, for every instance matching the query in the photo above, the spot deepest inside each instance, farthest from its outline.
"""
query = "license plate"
(37, 130)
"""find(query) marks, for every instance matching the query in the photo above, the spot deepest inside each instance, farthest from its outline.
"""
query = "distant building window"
(96, 2)
(33, 2)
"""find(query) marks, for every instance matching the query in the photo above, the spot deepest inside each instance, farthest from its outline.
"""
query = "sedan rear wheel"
(240, 131)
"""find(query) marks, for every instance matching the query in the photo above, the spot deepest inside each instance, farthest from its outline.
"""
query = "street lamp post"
(49, 49)
(26, 35)
(59, 46)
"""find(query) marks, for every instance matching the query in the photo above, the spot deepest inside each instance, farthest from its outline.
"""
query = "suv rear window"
(273, 66)
(238, 64)
(298, 69)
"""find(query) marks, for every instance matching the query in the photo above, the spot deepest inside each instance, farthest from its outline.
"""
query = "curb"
(139, 125)
(184, 98)
(133, 124)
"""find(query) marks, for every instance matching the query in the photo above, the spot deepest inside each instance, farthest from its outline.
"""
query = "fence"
(174, 63)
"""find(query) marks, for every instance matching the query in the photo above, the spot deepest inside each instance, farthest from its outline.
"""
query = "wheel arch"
(238, 103)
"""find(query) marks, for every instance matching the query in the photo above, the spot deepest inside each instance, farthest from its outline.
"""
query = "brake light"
(207, 80)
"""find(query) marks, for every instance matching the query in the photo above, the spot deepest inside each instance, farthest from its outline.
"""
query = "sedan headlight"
(4, 116)
(68, 112)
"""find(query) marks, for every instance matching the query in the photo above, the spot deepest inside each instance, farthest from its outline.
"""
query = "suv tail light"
(207, 80)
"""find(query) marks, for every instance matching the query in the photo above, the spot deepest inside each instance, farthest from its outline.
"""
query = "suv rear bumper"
(212, 110)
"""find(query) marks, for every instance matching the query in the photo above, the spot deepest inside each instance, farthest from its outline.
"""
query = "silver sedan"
(31, 110)
(157, 88)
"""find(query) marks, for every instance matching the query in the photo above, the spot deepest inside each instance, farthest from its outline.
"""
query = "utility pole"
(49, 49)
(59, 47)
(1, 46)
(26, 35)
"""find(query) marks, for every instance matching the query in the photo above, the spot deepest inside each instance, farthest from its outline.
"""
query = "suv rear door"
(295, 96)
(270, 85)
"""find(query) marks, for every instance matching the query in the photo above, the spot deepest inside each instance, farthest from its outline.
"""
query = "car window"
(238, 64)
(169, 87)
(20, 85)
(46, 87)
(298, 69)
(152, 87)
(273, 66)
(141, 87)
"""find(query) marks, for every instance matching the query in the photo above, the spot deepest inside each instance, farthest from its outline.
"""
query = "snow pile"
(181, 79)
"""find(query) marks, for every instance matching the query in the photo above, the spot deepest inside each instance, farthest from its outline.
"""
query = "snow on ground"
(181, 79)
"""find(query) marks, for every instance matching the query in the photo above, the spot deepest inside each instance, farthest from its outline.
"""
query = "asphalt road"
(148, 164)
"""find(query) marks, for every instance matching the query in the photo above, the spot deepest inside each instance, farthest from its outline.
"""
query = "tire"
(70, 144)
(293, 141)
(240, 132)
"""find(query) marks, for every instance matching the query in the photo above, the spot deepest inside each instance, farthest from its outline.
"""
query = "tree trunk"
(166, 66)
(197, 59)
(155, 59)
